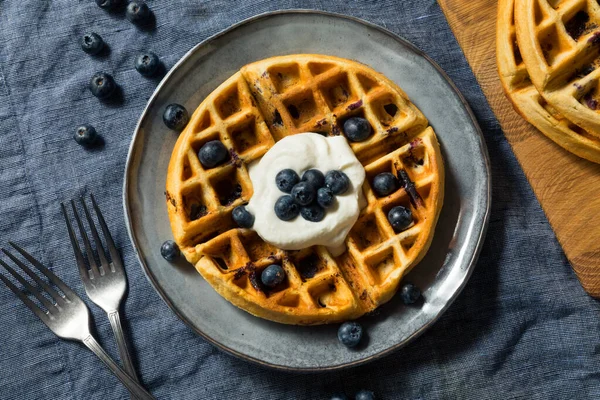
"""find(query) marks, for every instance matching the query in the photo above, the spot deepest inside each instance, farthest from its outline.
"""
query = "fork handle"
(115, 322)
(134, 388)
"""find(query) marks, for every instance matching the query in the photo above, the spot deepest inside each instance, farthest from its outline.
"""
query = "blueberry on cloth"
(357, 129)
(350, 333)
(169, 250)
(147, 63)
(85, 135)
(337, 181)
(312, 213)
(212, 154)
(410, 293)
(272, 276)
(325, 197)
(102, 85)
(385, 184)
(315, 177)
(242, 217)
(175, 117)
(108, 4)
(92, 43)
(339, 396)
(400, 217)
(137, 12)
(365, 395)
(286, 179)
(286, 209)
(304, 193)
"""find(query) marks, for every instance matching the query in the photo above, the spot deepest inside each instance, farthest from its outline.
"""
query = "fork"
(66, 315)
(105, 284)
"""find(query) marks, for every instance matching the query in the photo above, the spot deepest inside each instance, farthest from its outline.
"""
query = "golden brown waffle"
(525, 97)
(258, 106)
(560, 42)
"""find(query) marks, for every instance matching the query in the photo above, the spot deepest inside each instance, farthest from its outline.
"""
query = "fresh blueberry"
(169, 250)
(400, 217)
(85, 135)
(410, 293)
(350, 333)
(147, 63)
(92, 43)
(212, 154)
(108, 4)
(315, 177)
(312, 213)
(286, 209)
(242, 217)
(286, 179)
(304, 193)
(137, 12)
(325, 197)
(175, 117)
(337, 181)
(102, 85)
(339, 396)
(365, 395)
(357, 129)
(272, 276)
(385, 184)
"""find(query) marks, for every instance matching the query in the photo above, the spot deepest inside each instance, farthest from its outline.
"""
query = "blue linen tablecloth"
(522, 328)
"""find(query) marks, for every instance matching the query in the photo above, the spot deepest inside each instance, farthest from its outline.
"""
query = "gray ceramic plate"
(459, 234)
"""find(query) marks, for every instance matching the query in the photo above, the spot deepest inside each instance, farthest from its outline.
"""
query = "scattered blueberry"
(108, 4)
(315, 177)
(169, 250)
(175, 117)
(365, 395)
(385, 184)
(242, 217)
(410, 293)
(212, 154)
(102, 85)
(147, 63)
(304, 193)
(350, 333)
(85, 135)
(357, 129)
(272, 276)
(137, 12)
(400, 217)
(286, 209)
(286, 179)
(325, 197)
(339, 396)
(312, 213)
(337, 181)
(92, 43)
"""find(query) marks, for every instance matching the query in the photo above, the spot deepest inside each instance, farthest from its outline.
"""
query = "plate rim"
(478, 243)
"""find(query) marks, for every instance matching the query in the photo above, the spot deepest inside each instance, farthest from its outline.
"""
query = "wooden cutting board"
(567, 187)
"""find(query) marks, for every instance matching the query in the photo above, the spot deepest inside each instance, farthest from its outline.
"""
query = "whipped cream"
(302, 152)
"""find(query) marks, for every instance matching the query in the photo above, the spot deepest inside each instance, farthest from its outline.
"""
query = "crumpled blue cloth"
(523, 328)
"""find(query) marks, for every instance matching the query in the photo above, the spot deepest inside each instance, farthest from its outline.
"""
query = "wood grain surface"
(567, 187)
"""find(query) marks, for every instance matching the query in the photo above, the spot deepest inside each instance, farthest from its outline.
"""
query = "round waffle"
(259, 105)
(525, 97)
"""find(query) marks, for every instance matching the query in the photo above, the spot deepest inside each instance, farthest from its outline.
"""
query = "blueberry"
(385, 184)
(325, 197)
(147, 63)
(137, 12)
(92, 43)
(102, 85)
(169, 250)
(315, 177)
(272, 276)
(108, 4)
(286, 179)
(365, 395)
(85, 135)
(410, 293)
(350, 333)
(242, 217)
(175, 117)
(312, 213)
(337, 181)
(357, 129)
(339, 396)
(400, 217)
(286, 209)
(304, 193)
(212, 154)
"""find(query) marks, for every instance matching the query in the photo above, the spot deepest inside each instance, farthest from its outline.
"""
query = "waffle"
(526, 99)
(259, 105)
(559, 42)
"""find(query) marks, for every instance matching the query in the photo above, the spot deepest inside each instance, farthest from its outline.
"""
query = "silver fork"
(104, 284)
(67, 316)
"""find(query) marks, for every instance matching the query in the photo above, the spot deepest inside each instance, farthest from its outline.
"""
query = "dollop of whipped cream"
(302, 152)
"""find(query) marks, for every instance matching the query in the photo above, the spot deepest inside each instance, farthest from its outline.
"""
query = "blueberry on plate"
(169, 250)
(85, 135)
(286, 208)
(350, 333)
(357, 129)
(242, 217)
(312, 213)
(339, 396)
(212, 154)
(365, 395)
(137, 12)
(400, 217)
(325, 197)
(286, 179)
(337, 181)
(385, 184)
(272, 276)
(175, 117)
(147, 63)
(92, 43)
(108, 4)
(315, 177)
(102, 85)
(410, 293)
(304, 193)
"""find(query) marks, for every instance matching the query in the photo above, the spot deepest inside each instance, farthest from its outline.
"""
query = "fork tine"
(30, 304)
(114, 255)
(31, 289)
(99, 247)
(86, 242)
(83, 271)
